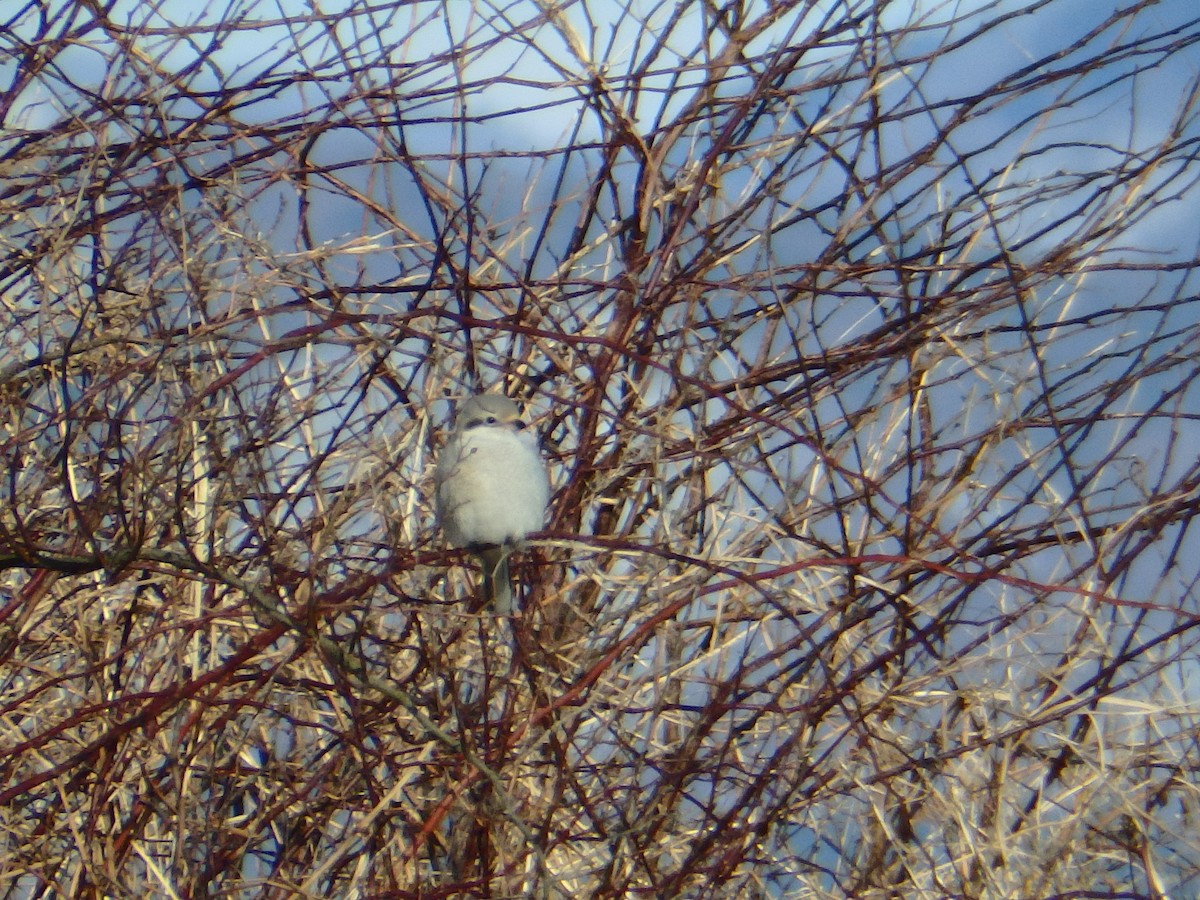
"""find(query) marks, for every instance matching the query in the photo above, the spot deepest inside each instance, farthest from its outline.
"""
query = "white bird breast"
(494, 489)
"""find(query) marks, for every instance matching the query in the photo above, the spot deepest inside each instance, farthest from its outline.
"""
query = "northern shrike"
(492, 489)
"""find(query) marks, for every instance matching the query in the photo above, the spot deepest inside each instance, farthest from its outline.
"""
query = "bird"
(492, 489)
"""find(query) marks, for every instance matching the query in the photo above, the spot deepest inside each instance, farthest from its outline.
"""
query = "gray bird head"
(488, 409)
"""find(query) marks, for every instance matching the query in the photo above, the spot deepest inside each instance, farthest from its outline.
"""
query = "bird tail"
(497, 585)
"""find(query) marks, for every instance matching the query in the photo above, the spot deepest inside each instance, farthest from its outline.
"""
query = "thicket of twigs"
(862, 338)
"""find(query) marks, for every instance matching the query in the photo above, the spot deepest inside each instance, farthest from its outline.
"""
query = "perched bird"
(492, 488)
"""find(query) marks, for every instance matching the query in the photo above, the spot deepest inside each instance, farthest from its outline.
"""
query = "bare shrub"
(862, 338)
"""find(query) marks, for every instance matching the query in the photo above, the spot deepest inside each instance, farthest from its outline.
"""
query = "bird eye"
(491, 420)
